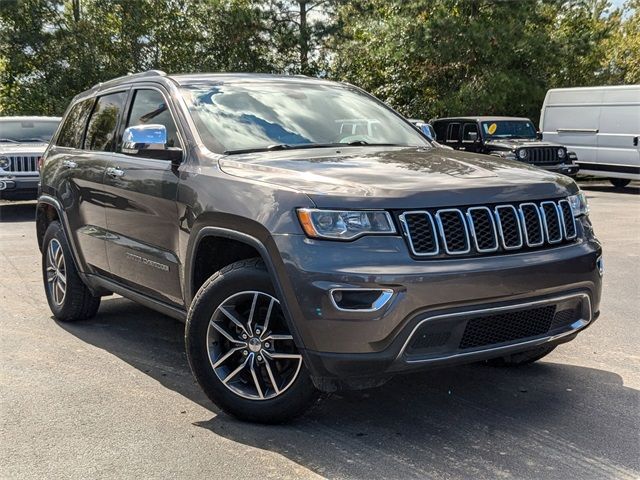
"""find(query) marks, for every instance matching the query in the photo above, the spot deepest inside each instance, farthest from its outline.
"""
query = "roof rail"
(130, 76)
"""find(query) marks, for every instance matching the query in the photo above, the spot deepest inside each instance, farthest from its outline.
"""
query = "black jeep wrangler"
(510, 138)
(308, 235)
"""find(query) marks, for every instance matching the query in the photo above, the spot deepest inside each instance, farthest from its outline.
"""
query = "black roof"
(485, 118)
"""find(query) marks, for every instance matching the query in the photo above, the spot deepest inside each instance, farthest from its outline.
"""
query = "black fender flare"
(261, 248)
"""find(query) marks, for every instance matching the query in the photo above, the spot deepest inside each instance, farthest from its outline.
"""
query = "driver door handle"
(115, 172)
(69, 164)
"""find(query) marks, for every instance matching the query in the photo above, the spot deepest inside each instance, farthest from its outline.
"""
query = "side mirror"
(149, 141)
(539, 135)
(473, 136)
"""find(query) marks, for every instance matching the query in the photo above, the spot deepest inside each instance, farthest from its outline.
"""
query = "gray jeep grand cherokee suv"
(309, 236)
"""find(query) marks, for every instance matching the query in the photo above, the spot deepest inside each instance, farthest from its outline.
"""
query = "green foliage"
(427, 58)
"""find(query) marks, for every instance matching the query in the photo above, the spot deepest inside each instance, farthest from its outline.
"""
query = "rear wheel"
(240, 348)
(619, 182)
(522, 358)
(69, 298)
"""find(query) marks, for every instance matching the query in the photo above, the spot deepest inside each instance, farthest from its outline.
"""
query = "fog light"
(360, 299)
(600, 265)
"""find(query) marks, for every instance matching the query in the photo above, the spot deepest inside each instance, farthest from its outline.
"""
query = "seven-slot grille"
(23, 164)
(481, 229)
(543, 155)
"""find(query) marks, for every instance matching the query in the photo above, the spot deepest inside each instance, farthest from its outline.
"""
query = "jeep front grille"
(23, 164)
(488, 229)
(543, 155)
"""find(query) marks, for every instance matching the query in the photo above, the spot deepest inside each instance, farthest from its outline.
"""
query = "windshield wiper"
(9, 140)
(301, 146)
(34, 139)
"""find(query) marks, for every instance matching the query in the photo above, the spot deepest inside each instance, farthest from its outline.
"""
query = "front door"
(142, 221)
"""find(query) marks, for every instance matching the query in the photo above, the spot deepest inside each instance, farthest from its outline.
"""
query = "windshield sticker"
(492, 128)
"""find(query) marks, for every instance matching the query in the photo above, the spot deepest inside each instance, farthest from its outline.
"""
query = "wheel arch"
(252, 244)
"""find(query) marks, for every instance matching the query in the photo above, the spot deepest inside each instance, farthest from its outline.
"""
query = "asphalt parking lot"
(114, 398)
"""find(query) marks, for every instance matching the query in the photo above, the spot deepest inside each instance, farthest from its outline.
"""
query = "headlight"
(561, 153)
(522, 154)
(579, 204)
(344, 225)
(4, 162)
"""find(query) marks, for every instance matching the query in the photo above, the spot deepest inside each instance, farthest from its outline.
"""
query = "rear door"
(83, 151)
(453, 135)
(142, 220)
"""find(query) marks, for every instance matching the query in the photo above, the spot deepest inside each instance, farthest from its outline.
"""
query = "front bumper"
(19, 187)
(570, 169)
(358, 348)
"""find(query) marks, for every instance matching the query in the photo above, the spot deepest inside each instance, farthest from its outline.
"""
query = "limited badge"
(492, 128)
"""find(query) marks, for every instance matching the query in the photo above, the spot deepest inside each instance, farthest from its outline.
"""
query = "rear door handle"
(635, 141)
(69, 164)
(115, 172)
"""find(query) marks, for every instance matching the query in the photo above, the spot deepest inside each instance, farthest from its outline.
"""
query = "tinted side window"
(101, 132)
(73, 125)
(454, 132)
(441, 129)
(469, 128)
(150, 107)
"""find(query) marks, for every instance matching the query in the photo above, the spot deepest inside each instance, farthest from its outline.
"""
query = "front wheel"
(619, 182)
(240, 348)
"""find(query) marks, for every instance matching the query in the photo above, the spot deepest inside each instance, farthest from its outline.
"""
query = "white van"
(600, 124)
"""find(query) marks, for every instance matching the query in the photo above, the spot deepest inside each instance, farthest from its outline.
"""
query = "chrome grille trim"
(472, 226)
(545, 221)
(524, 224)
(23, 163)
(405, 229)
(494, 229)
(565, 228)
(501, 230)
(443, 235)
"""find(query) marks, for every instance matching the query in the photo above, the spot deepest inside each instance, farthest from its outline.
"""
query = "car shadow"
(631, 189)
(546, 420)
(17, 212)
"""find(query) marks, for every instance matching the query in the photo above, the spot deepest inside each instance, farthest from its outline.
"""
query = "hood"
(519, 142)
(398, 177)
(7, 148)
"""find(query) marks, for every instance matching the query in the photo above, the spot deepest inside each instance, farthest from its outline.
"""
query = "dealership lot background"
(114, 397)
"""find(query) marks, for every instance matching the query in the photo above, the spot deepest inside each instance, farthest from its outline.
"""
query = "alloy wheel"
(56, 272)
(250, 347)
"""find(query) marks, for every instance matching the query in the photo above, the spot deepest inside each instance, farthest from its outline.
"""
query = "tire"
(619, 182)
(522, 358)
(246, 377)
(69, 298)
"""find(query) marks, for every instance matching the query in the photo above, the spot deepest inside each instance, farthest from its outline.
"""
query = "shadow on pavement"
(547, 420)
(631, 189)
(17, 212)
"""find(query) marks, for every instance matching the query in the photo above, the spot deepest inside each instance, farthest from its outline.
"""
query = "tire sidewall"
(249, 276)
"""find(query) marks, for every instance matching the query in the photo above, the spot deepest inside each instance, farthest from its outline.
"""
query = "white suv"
(23, 140)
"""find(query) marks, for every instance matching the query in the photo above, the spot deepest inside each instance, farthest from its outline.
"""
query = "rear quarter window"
(73, 125)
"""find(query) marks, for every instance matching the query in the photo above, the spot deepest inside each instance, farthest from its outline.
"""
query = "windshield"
(235, 118)
(22, 131)
(508, 129)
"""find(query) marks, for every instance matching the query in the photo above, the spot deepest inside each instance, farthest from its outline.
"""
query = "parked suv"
(505, 137)
(302, 256)
(23, 140)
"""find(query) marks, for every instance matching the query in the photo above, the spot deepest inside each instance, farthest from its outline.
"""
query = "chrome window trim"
(472, 227)
(382, 300)
(544, 219)
(575, 326)
(501, 231)
(407, 232)
(444, 237)
(573, 219)
(524, 224)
